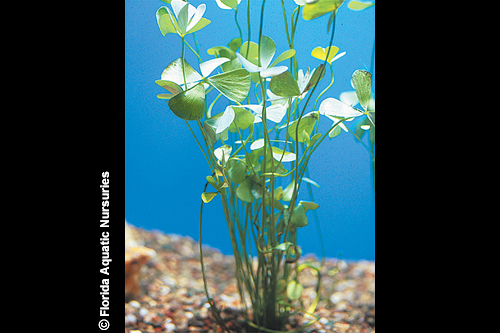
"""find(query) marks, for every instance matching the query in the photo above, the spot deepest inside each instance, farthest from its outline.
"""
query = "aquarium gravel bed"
(172, 295)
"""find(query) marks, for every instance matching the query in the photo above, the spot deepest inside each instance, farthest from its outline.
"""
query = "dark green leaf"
(284, 85)
(317, 76)
(299, 218)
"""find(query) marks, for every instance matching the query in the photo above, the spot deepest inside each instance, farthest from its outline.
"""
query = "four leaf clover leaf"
(185, 19)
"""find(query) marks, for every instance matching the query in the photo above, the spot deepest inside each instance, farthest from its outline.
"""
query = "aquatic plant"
(258, 154)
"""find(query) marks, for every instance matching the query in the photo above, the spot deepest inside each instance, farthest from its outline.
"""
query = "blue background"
(164, 168)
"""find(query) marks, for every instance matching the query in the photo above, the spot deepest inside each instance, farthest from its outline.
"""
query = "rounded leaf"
(284, 85)
(189, 104)
(238, 173)
(319, 8)
(208, 196)
(362, 82)
(294, 290)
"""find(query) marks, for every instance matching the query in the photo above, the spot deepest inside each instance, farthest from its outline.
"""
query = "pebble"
(175, 300)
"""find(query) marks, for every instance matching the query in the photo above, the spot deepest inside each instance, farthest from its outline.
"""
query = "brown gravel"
(173, 297)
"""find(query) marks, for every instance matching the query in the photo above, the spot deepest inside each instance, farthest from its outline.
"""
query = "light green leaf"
(294, 290)
(230, 3)
(336, 131)
(299, 218)
(210, 126)
(320, 53)
(306, 124)
(285, 55)
(189, 104)
(334, 107)
(174, 73)
(288, 192)
(279, 155)
(223, 153)
(224, 121)
(284, 85)
(319, 8)
(234, 44)
(361, 82)
(235, 84)
(200, 25)
(309, 205)
(360, 5)
(238, 173)
(283, 246)
(171, 86)
(310, 181)
(167, 1)
(267, 50)
(253, 52)
(242, 119)
(212, 182)
(208, 196)
(182, 18)
(165, 21)
(244, 191)
(165, 96)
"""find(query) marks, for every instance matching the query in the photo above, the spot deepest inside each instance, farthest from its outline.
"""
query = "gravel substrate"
(173, 297)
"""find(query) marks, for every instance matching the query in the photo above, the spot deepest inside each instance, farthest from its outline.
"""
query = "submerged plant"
(258, 153)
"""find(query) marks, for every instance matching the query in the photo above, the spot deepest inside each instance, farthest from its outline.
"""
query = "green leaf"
(299, 218)
(310, 181)
(242, 119)
(283, 246)
(171, 86)
(224, 121)
(253, 52)
(306, 124)
(238, 173)
(278, 155)
(284, 85)
(317, 76)
(189, 104)
(235, 43)
(360, 5)
(200, 25)
(165, 21)
(285, 55)
(244, 191)
(235, 84)
(230, 3)
(208, 196)
(212, 182)
(320, 53)
(294, 290)
(182, 19)
(210, 126)
(309, 205)
(174, 73)
(267, 50)
(361, 82)
(223, 153)
(335, 108)
(288, 192)
(319, 8)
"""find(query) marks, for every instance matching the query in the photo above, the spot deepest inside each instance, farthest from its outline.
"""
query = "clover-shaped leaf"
(184, 20)
(314, 9)
(267, 51)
